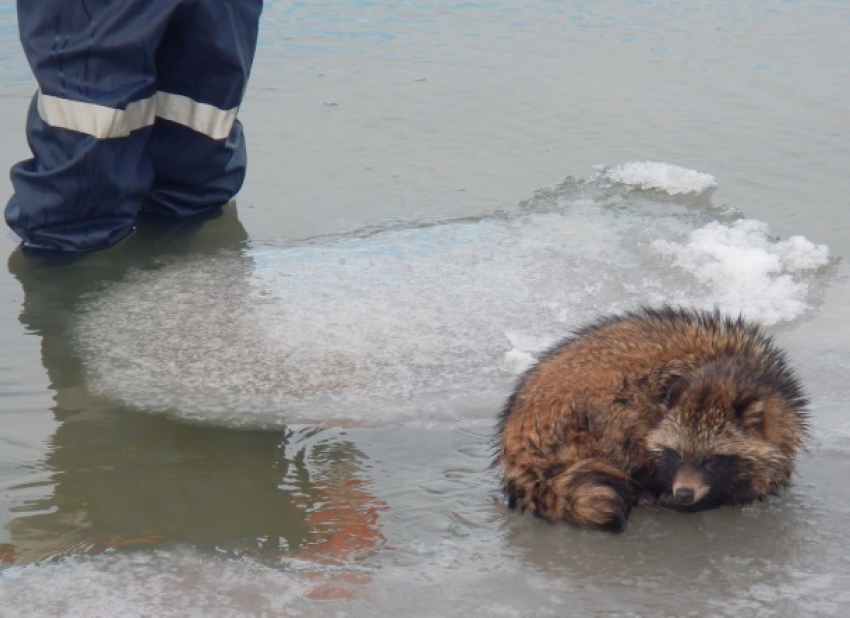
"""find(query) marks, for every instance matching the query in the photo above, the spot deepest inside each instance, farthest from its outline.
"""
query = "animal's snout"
(689, 486)
(684, 495)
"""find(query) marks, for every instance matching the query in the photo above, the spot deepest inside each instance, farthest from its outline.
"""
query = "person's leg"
(198, 145)
(90, 122)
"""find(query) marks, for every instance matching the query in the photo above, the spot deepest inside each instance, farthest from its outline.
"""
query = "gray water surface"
(288, 409)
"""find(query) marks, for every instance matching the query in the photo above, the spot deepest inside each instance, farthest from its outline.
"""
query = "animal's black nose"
(684, 495)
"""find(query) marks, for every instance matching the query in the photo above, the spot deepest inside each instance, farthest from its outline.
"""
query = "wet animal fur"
(687, 409)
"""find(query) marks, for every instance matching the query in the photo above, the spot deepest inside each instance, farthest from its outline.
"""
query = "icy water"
(288, 409)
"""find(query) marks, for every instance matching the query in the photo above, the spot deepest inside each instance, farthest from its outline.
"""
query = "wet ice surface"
(452, 551)
(671, 179)
(745, 268)
(431, 321)
(418, 331)
(146, 584)
(361, 112)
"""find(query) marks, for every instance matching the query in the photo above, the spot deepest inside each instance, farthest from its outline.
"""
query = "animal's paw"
(643, 497)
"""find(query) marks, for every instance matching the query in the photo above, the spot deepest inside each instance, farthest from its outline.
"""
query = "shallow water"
(288, 409)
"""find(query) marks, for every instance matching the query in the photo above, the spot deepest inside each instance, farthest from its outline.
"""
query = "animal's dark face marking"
(669, 461)
(690, 484)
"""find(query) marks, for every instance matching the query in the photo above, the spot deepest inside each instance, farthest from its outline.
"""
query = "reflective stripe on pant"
(136, 109)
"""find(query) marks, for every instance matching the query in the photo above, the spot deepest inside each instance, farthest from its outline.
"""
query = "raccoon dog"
(687, 409)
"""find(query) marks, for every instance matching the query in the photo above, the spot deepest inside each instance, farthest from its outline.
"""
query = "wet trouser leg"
(90, 123)
(91, 126)
(202, 65)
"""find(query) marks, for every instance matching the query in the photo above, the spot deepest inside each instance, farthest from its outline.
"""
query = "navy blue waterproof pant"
(135, 110)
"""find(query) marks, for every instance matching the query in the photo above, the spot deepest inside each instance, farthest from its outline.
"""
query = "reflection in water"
(122, 479)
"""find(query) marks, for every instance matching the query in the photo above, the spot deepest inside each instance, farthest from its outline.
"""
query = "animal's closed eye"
(720, 464)
(712, 464)
(671, 458)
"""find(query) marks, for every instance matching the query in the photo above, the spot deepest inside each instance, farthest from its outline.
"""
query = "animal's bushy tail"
(591, 493)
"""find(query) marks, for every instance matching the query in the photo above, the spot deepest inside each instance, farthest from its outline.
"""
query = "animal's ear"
(674, 391)
(749, 410)
(667, 381)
